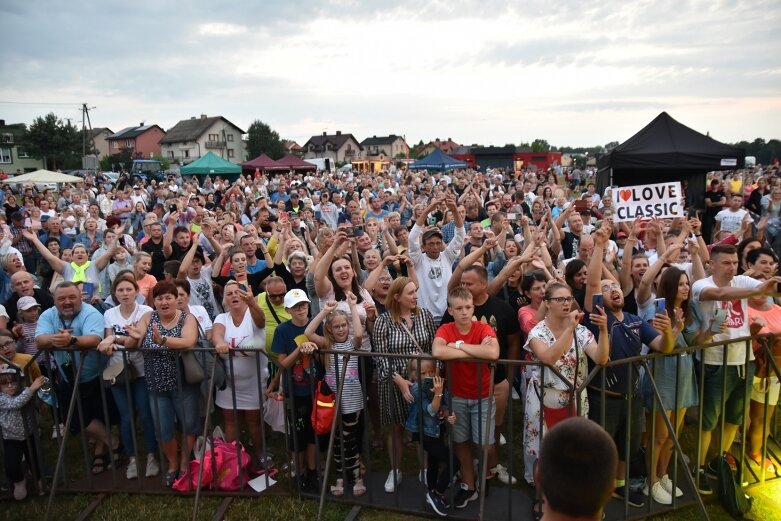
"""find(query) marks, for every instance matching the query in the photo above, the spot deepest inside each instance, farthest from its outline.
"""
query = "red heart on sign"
(625, 194)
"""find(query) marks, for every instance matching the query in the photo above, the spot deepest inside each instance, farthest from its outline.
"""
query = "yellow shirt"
(271, 323)
(735, 185)
(32, 370)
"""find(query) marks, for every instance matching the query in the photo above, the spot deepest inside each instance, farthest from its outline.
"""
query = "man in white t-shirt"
(725, 291)
(434, 266)
(734, 218)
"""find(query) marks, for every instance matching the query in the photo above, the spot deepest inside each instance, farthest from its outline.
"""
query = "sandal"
(170, 477)
(116, 454)
(359, 488)
(100, 463)
(770, 468)
(338, 489)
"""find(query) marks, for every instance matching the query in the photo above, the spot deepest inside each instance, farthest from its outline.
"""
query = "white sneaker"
(667, 483)
(502, 440)
(658, 493)
(503, 475)
(390, 486)
(132, 469)
(56, 430)
(20, 490)
(152, 468)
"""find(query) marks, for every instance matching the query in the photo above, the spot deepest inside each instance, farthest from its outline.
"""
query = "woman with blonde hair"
(403, 329)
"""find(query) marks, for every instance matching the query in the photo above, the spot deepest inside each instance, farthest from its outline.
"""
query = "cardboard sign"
(662, 200)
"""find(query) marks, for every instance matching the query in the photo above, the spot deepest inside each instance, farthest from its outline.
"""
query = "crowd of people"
(116, 280)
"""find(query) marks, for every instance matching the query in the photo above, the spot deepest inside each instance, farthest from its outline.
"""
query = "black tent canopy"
(666, 150)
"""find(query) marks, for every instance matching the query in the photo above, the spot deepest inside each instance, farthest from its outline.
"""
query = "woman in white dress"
(561, 342)
(242, 327)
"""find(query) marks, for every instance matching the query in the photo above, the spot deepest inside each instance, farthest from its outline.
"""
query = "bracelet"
(438, 396)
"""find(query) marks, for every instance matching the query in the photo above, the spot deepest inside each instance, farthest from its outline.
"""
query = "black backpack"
(734, 500)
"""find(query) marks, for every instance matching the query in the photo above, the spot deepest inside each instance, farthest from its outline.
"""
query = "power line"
(37, 103)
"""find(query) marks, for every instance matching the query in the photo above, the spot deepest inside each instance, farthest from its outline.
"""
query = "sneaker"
(659, 494)
(464, 496)
(713, 465)
(436, 502)
(703, 482)
(667, 483)
(152, 467)
(390, 485)
(635, 499)
(132, 469)
(503, 475)
(502, 440)
(58, 431)
(20, 490)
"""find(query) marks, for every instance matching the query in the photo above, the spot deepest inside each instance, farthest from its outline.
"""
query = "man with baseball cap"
(434, 266)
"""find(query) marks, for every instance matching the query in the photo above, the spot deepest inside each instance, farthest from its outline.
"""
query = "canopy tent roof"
(437, 160)
(292, 162)
(211, 164)
(45, 176)
(262, 162)
(667, 144)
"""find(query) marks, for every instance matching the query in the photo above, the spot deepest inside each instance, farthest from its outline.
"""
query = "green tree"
(164, 163)
(261, 139)
(57, 143)
(540, 145)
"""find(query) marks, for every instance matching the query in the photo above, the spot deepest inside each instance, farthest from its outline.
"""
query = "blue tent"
(437, 160)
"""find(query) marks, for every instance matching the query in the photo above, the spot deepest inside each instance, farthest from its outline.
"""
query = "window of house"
(128, 143)
(186, 153)
(170, 154)
(230, 137)
(230, 152)
(5, 155)
(7, 138)
(115, 143)
(214, 137)
(22, 153)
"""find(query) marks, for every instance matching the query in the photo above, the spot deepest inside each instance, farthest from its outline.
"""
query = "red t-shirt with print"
(464, 375)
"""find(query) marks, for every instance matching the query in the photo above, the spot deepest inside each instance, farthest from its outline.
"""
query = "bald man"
(23, 285)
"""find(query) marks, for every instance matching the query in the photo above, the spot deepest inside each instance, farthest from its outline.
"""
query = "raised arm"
(187, 261)
(374, 276)
(311, 328)
(55, 262)
(323, 286)
(168, 237)
(356, 319)
(594, 272)
(476, 253)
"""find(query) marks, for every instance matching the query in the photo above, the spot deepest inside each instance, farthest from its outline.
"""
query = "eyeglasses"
(610, 287)
(562, 300)
(275, 295)
(7, 344)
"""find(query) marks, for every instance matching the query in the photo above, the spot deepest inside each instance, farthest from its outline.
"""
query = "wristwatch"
(73, 341)
(459, 343)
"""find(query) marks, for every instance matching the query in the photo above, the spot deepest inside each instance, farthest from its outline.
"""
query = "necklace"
(173, 321)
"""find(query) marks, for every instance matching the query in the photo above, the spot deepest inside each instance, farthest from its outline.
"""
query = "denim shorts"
(471, 416)
(171, 406)
(735, 393)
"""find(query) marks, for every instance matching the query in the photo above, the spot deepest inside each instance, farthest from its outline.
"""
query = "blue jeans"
(140, 399)
(172, 405)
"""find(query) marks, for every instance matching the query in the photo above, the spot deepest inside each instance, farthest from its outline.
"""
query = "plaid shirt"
(24, 246)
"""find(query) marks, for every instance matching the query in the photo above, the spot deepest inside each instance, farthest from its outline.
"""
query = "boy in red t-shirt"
(466, 338)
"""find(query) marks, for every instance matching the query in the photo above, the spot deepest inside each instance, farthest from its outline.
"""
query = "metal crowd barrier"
(505, 501)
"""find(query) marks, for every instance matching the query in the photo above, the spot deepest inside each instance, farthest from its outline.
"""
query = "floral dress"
(556, 394)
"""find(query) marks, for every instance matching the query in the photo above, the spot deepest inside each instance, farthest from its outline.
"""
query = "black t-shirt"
(714, 197)
(177, 252)
(569, 244)
(500, 316)
(158, 259)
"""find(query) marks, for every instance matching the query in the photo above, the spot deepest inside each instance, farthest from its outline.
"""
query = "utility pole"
(86, 124)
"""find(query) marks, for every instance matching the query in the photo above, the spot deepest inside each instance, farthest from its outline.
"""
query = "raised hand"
(330, 305)
(598, 317)
(352, 300)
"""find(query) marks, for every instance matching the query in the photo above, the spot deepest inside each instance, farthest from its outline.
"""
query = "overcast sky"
(571, 72)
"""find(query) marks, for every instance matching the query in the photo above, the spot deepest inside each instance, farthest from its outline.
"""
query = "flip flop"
(337, 490)
(100, 463)
(359, 488)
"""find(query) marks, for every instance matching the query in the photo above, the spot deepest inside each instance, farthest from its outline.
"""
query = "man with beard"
(73, 330)
(154, 247)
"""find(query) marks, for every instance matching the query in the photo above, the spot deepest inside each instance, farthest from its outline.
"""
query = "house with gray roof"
(141, 141)
(340, 148)
(389, 146)
(192, 138)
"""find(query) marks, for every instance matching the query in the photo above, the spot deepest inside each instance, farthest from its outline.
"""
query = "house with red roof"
(141, 141)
